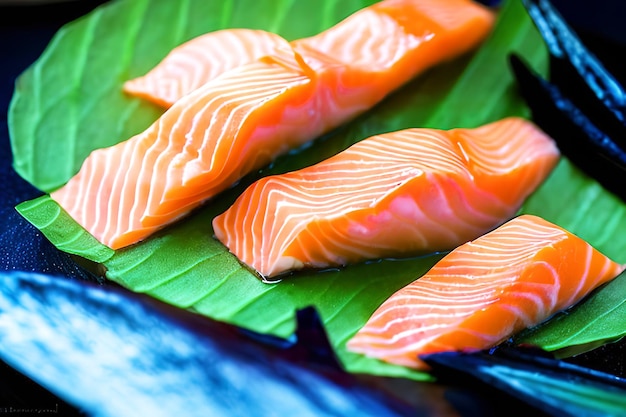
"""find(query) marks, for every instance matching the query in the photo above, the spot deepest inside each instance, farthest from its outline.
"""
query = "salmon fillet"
(375, 38)
(248, 115)
(204, 58)
(401, 193)
(485, 291)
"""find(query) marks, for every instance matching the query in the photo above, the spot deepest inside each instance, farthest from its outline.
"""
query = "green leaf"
(67, 235)
(596, 320)
(70, 102)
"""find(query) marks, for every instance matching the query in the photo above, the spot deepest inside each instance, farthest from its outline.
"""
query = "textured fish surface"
(242, 119)
(200, 60)
(484, 291)
(400, 193)
(369, 38)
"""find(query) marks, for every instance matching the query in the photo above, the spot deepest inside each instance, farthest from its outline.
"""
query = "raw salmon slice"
(400, 193)
(485, 291)
(200, 146)
(200, 60)
(376, 36)
(245, 117)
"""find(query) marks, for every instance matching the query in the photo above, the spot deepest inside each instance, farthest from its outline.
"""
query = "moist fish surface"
(196, 62)
(408, 192)
(371, 37)
(246, 116)
(484, 291)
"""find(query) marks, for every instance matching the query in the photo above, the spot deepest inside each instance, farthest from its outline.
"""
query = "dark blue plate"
(71, 344)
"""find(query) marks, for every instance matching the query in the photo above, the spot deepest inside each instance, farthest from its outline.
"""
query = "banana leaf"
(69, 102)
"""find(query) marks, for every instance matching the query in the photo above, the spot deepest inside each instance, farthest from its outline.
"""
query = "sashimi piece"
(376, 36)
(241, 120)
(200, 146)
(399, 193)
(200, 60)
(485, 291)
(392, 40)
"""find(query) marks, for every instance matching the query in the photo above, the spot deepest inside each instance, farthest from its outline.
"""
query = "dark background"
(25, 30)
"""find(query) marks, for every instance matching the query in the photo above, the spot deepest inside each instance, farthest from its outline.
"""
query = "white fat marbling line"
(134, 191)
(502, 272)
(384, 180)
(200, 60)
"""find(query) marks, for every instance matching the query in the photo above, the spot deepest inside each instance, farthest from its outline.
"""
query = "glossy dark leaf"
(113, 355)
(579, 79)
(554, 387)
(577, 137)
(573, 67)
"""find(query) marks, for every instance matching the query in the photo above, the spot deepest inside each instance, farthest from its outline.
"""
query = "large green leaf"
(70, 102)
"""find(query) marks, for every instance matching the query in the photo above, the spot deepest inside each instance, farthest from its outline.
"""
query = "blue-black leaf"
(575, 68)
(113, 353)
(583, 106)
(577, 137)
(554, 387)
